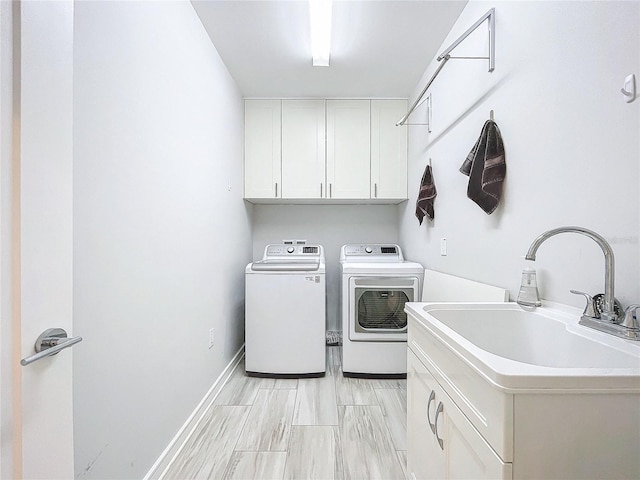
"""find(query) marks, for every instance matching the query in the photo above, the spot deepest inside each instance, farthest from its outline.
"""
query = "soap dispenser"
(528, 295)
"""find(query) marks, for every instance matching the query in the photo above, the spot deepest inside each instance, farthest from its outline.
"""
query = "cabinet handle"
(330, 192)
(438, 412)
(432, 397)
(320, 190)
(276, 189)
(375, 190)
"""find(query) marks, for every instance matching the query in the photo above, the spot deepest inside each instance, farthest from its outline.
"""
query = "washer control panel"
(312, 251)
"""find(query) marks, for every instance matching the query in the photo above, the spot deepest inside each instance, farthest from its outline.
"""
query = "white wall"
(160, 240)
(572, 147)
(329, 225)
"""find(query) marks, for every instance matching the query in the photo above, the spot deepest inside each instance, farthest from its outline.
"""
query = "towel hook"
(430, 162)
(491, 115)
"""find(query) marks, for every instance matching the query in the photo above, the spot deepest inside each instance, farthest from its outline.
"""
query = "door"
(376, 307)
(303, 149)
(37, 254)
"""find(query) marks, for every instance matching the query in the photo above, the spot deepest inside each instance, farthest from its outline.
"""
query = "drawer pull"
(432, 397)
(438, 412)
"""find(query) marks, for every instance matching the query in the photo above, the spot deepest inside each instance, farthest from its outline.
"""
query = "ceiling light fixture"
(320, 20)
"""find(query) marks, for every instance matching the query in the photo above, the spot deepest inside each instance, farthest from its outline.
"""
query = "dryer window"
(382, 310)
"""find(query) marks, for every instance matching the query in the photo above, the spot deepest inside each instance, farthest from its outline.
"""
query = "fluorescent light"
(320, 20)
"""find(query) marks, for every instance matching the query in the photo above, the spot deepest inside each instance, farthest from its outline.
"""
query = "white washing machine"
(285, 312)
(376, 283)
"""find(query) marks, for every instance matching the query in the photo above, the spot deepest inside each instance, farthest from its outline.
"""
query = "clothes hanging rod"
(424, 90)
(490, 16)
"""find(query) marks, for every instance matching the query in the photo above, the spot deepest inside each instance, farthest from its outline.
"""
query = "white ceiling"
(379, 48)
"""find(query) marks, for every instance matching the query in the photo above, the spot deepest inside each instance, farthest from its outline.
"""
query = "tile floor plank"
(334, 361)
(269, 423)
(256, 466)
(314, 453)
(402, 456)
(393, 402)
(208, 450)
(367, 448)
(355, 391)
(285, 383)
(316, 402)
(241, 389)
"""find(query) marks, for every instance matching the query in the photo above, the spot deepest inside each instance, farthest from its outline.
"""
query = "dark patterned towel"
(426, 196)
(486, 168)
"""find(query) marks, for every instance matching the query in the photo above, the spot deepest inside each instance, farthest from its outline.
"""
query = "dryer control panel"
(363, 252)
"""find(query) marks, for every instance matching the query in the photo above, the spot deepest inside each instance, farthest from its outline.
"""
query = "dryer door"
(376, 307)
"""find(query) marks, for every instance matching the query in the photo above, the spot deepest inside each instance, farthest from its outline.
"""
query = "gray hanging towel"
(426, 196)
(486, 168)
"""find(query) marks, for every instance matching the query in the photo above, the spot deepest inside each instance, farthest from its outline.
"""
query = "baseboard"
(160, 467)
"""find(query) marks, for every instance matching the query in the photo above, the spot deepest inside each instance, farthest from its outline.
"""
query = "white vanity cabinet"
(442, 442)
(325, 151)
(499, 418)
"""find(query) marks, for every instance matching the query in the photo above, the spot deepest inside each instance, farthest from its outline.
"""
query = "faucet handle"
(590, 307)
(630, 319)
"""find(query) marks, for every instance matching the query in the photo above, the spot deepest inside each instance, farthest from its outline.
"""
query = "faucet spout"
(608, 312)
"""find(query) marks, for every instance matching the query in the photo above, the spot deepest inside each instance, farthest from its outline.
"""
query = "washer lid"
(284, 265)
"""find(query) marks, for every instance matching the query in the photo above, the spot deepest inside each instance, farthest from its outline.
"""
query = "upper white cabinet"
(349, 148)
(303, 149)
(388, 150)
(317, 151)
(262, 148)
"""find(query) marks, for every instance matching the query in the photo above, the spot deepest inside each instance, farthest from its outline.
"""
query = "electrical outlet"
(211, 338)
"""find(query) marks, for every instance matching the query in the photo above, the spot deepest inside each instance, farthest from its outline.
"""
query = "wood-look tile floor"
(320, 428)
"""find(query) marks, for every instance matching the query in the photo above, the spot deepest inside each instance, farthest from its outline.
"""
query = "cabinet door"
(441, 442)
(425, 457)
(468, 455)
(348, 149)
(262, 148)
(388, 150)
(303, 149)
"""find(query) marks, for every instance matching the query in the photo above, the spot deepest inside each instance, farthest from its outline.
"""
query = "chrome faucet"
(608, 312)
(626, 326)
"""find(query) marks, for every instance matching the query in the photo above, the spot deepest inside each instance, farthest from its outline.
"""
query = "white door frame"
(38, 293)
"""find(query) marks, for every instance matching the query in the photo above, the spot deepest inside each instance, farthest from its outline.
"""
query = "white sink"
(545, 348)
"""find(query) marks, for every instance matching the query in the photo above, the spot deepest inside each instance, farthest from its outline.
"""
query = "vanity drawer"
(489, 409)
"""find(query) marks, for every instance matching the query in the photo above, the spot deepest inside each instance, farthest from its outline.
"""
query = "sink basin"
(530, 337)
(544, 348)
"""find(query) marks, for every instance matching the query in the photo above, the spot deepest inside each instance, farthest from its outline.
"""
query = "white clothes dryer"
(285, 312)
(376, 283)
